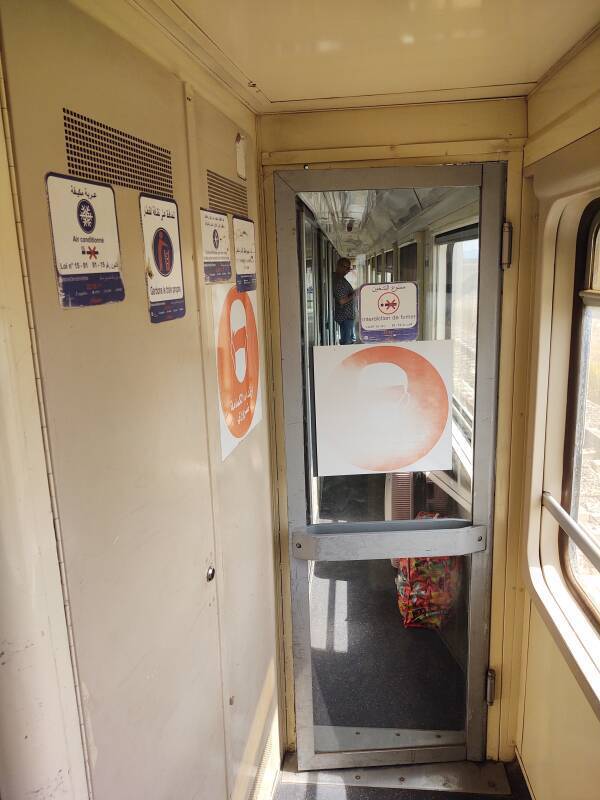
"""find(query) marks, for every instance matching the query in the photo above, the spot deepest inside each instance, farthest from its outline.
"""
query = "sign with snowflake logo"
(87, 256)
(162, 258)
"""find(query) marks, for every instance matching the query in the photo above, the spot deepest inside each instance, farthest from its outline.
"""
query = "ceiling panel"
(314, 50)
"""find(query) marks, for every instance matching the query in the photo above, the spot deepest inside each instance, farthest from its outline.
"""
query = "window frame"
(576, 636)
(439, 324)
(588, 239)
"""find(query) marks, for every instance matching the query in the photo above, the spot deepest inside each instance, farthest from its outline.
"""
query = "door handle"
(210, 574)
(311, 543)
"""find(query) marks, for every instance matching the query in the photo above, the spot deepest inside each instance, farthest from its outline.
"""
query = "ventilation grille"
(402, 495)
(101, 153)
(226, 196)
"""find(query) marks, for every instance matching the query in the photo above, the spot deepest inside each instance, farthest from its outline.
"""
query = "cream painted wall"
(392, 132)
(241, 501)
(561, 734)
(558, 733)
(178, 675)
(565, 106)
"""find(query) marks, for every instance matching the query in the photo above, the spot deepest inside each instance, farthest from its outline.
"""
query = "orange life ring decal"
(238, 362)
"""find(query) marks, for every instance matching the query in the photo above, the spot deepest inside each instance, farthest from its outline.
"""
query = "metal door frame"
(374, 540)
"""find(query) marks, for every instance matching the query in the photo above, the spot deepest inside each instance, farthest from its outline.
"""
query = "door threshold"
(469, 777)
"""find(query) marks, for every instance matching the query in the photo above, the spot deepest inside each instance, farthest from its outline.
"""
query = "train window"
(389, 266)
(407, 262)
(453, 315)
(309, 236)
(581, 490)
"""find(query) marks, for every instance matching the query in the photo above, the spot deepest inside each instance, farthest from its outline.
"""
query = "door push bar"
(366, 542)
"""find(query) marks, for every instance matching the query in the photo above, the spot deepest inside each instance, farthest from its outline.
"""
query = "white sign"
(86, 241)
(388, 311)
(162, 258)
(238, 365)
(383, 407)
(215, 246)
(245, 254)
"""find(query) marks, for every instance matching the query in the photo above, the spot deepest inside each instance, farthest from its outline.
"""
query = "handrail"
(573, 530)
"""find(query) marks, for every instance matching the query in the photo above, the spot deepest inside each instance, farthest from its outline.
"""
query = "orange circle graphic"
(237, 362)
(401, 410)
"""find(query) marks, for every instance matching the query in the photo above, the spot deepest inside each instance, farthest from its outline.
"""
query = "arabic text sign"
(215, 246)
(238, 365)
(86, 241)
(162, 258)
(245, 254)
(388, 311)
(383, 407)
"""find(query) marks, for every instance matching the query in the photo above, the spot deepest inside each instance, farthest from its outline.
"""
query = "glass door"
(390, 459)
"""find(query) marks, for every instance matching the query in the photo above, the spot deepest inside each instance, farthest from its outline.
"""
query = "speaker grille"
(99, 152)
(225, 195)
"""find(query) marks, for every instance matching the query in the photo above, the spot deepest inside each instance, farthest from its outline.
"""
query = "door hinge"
(490, 687)
(506, 254)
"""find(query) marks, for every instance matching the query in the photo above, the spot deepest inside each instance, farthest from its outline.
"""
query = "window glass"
(309, 282)
(407, 257)
(585, 490)
(463, 325)
(595, 262)
(453, 315)
(446, 273)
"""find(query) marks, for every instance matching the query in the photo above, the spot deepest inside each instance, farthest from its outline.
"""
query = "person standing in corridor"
(343, 295)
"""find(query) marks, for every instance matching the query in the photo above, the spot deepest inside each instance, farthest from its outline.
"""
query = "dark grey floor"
(294, 791)
(390, 676)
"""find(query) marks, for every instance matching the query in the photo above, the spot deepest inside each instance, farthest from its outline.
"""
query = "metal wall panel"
(127, 428)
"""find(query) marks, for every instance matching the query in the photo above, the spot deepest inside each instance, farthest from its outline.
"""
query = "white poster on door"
(383, 407)
(162, 258)
(238, 365)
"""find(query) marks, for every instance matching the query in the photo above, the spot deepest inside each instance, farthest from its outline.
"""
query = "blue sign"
(162, 250)
(86, 216)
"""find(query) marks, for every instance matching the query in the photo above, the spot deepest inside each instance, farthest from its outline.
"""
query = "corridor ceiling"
(364, 222)
(287, 55)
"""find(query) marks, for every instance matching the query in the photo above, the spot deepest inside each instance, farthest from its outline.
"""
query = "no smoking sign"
(388, 312)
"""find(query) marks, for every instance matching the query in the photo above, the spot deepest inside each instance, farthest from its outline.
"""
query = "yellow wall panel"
(561, 734)
(413, 124)
(566, 106)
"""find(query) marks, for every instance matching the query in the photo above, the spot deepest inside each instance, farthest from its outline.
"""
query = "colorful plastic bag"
(428, 589)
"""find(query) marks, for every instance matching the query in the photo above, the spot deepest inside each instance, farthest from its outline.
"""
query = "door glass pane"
(389, 652)
(445, 272)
